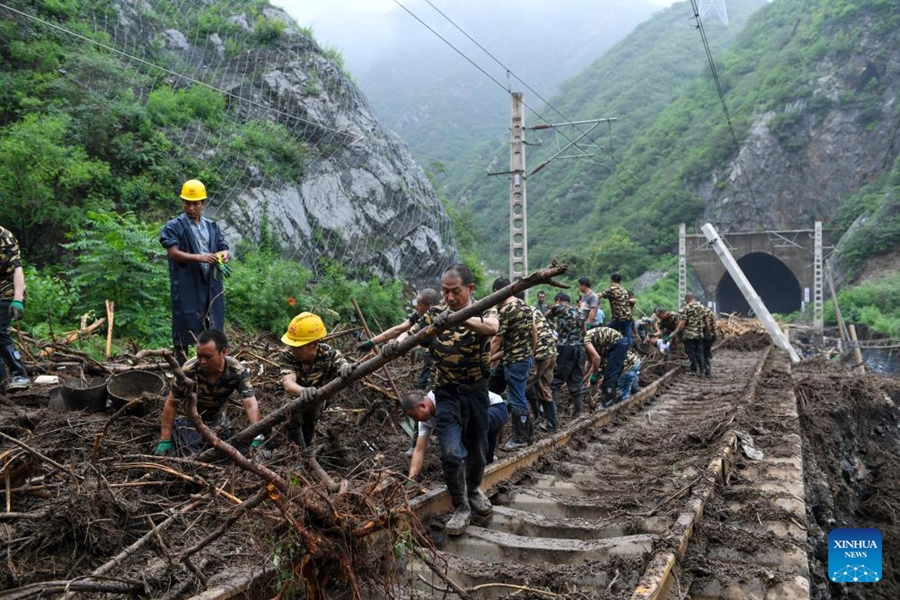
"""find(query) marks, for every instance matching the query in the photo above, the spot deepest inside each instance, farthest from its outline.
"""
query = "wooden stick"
(70, 337)
(25, 446)
(330, 389)
(368, 331)
(110, 314)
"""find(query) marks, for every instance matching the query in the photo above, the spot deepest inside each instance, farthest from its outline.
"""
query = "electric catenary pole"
(518, 221)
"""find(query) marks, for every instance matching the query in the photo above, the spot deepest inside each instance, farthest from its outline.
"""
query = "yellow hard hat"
(193, 190)
(304, 328)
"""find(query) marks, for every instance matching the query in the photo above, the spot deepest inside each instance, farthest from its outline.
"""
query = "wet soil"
(851, 459)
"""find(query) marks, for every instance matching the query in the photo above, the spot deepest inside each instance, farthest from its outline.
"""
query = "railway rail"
(609, 506)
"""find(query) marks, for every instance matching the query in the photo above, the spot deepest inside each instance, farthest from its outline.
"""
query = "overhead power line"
(721, 93)
(479, 67)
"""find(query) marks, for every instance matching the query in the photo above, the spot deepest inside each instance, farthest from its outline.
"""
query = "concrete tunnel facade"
(778, 264)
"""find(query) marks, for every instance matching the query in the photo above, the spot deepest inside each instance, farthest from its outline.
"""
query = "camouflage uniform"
(695, 318)
(569, 323)
(324, 368)
(620, 308)
(462, 363)
(213, 395)
(538, 387)
(10, 260)
(669, 324)
(517, 332)
(613, 349)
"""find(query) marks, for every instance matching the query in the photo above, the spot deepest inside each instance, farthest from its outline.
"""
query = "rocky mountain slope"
(239, 95)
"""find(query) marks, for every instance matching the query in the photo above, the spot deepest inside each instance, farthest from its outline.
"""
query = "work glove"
(345, 369)
(259, 451)
(223, 266)
(365, 346)
(16, 310)
(164, 448)
(391, 348)
(667, 338)
(307, 394)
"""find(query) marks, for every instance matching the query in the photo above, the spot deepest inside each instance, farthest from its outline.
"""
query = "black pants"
(462, 430)
(694, 349)
(569, 371)
(9, 356)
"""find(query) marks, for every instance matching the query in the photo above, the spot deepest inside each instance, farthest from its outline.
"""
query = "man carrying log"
(462, 360)
(307, 365)
(218, 376)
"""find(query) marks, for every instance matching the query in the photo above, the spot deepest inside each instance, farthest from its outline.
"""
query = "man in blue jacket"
(197, 255)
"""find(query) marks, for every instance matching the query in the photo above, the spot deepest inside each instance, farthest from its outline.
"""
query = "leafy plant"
(120, 259)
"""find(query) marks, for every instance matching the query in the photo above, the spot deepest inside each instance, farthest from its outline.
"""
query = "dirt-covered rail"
(608, 507)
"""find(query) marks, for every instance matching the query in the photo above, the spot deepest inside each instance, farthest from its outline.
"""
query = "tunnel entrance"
(772, 279)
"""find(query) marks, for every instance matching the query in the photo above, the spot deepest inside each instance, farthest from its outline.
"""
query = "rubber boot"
(549, 423)
(456, 487)
(18, 376)
(480, 503)
(519, 439)
(577, 404)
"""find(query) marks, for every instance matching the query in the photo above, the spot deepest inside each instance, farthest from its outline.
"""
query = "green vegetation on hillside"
(620, 210)
(93, 148)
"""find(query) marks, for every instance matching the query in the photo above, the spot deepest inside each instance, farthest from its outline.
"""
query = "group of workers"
(526, 353)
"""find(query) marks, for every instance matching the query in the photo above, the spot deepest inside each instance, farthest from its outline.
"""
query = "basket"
(81, 394)
(131, 385)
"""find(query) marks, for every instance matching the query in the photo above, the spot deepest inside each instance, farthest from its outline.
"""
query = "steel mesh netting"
(357, 196)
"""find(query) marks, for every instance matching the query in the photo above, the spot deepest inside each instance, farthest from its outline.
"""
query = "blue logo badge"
(854, 555)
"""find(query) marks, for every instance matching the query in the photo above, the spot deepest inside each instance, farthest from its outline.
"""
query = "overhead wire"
(721, 93)
(509, 72)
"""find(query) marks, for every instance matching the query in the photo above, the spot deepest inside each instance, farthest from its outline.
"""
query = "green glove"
(164, 447)
(16, 309)
(258, 441)
(594, 378)
(365, 346)
(223, 267)
(667, 338)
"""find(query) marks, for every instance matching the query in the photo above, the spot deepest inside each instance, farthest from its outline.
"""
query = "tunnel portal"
(773, 281)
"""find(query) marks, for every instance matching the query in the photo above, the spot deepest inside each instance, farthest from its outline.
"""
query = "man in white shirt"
(422, 408)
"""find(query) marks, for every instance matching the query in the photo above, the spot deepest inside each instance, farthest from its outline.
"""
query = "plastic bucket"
(131, 385)
(81, 394)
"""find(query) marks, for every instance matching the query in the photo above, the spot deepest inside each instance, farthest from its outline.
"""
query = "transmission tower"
(714, 7)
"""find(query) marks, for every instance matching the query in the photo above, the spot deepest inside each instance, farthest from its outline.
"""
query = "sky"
(363, 29)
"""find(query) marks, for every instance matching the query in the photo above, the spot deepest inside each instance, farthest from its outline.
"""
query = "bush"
(874, 303)
(120, 259)
(268, 31)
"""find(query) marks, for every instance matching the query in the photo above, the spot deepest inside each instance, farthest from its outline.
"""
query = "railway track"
(613, 506)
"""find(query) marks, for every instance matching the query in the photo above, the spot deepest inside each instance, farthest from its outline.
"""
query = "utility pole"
(518, 222)
(518, 208)
(714, 7)
(818, 314)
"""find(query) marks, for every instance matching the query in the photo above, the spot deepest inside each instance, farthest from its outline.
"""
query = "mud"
(850, 453)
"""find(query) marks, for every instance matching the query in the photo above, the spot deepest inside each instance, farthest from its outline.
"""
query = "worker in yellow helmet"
(307, 365)
(197, 254)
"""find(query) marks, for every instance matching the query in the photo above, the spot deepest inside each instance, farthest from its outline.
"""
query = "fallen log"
(330, 389)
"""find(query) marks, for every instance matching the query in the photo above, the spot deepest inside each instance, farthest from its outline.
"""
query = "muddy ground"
(97, 490)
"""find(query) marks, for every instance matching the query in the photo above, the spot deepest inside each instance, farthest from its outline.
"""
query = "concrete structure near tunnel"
(781, 266)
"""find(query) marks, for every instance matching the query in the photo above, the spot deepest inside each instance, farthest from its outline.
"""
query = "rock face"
(804, 158)
(361, 199)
